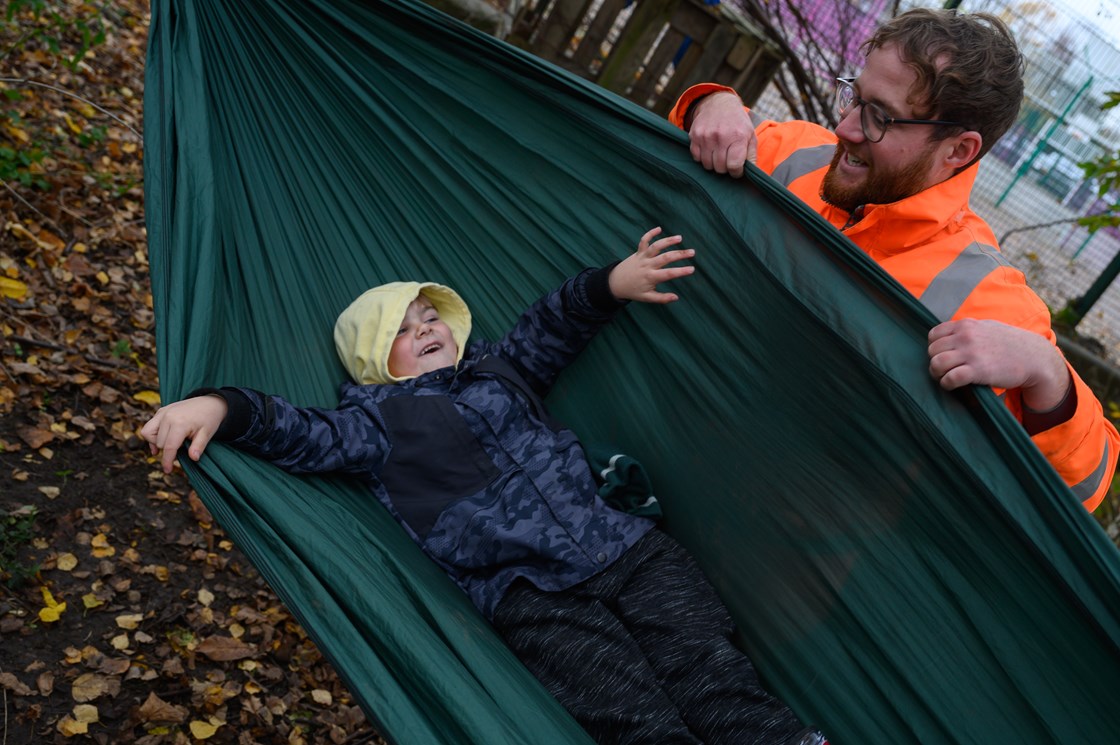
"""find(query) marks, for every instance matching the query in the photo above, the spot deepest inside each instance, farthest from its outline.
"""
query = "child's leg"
(684, 630)
(585, 657)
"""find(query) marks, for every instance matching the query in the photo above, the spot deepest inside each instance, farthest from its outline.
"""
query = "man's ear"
(964, 149)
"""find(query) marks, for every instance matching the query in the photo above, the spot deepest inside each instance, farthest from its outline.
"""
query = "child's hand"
(195, 419)
(637, 276)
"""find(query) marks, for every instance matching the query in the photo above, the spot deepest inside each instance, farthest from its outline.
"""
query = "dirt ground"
(168, 634)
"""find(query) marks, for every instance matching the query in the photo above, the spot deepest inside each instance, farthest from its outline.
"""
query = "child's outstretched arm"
(636, 277)
(195, 419)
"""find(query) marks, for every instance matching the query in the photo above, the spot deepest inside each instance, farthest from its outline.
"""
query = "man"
(937, 91)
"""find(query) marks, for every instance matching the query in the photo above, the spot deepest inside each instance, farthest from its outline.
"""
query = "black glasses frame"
(847, 88)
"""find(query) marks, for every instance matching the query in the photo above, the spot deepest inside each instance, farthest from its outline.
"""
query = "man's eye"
(878, 116)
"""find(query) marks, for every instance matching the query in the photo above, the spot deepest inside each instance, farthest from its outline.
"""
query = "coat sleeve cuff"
(598, 288)
(679, 112)
(238, 418)
(1040, 421)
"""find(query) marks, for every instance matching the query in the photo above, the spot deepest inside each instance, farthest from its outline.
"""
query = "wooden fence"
(649, 51)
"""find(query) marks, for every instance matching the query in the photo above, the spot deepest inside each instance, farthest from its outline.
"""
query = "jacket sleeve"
(1083, 448)
(1077, 439)
(302, 440)
(555, 329)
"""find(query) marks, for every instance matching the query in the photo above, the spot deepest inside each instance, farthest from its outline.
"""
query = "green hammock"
(903, 564)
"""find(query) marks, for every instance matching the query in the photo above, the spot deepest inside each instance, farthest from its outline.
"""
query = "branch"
(63, 91)
(69, 350)
(1042, 225)
(29, 205)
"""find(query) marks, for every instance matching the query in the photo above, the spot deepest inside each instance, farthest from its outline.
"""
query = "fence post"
(1026, 167)
(1081, 305)
(641, 30)
(563, 19)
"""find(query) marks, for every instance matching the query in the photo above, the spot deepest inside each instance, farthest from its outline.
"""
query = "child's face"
(423, 343)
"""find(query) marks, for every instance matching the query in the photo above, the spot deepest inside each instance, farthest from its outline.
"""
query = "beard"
(881, 185)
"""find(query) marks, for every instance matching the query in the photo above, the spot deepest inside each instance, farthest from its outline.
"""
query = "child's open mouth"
(430, 348)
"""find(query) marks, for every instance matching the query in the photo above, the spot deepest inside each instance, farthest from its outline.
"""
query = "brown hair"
(970, 69)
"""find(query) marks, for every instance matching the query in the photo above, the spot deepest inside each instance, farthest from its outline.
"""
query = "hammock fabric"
(904, 565)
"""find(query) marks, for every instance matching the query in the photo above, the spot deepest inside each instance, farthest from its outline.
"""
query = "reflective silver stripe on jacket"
(953, 284)
(1092, 482)
(805, 160)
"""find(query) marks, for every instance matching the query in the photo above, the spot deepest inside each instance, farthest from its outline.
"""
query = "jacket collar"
(888, 229)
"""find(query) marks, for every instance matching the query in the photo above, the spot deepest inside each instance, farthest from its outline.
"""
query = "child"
(609, 613)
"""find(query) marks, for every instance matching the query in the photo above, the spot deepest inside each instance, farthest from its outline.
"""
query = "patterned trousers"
(642, 653)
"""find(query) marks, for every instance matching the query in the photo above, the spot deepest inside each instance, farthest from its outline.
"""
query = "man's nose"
(850, 126)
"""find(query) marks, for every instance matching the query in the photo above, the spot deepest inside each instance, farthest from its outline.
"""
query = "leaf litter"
(126, 614)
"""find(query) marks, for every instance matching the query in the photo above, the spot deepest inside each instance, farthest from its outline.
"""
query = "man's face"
(423, 342)
(900, 165)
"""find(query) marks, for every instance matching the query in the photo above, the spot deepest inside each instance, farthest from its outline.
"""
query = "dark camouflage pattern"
(539, 517)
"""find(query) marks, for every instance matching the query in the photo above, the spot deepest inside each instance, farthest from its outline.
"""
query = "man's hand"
(991, 353)
(194, 419)
(636, 277)
(722, 134)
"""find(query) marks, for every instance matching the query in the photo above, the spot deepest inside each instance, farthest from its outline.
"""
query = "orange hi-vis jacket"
(947, 257)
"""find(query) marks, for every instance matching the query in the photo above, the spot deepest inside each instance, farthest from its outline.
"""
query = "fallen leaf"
(91, 601)
(53, 610)
(119, 642)
(149, 397)
(155, 709)
(50, 492)
(92, 686)
(101, 547)
(224, 649)
(198, 509)
(78, 724)
(34, 436)
(13, 684)
(86, 713)
(67, 561)
(130, 620)
(159, 572)
(321, 696)
(69, 727)
(12, 288)
(205, 597)
(205, 730)
(25, 368)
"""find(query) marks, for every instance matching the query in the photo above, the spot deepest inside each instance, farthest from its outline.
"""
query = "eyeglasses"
(872, 118)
